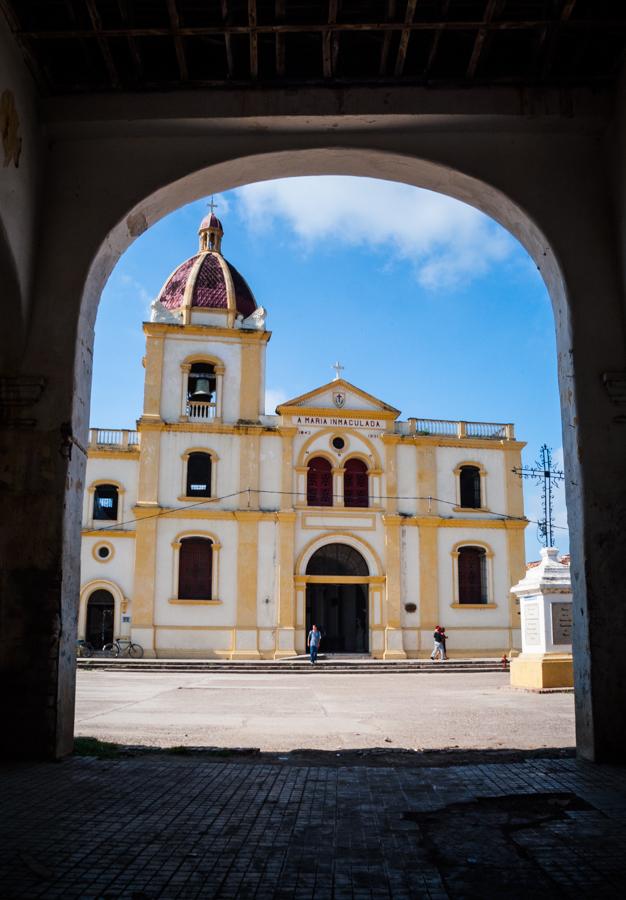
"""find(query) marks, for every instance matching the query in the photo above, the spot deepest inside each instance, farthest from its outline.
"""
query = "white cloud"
(137, 288)
(273, 398)
(447, 241)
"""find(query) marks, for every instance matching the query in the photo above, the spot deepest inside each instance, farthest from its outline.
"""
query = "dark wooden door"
(100, 616)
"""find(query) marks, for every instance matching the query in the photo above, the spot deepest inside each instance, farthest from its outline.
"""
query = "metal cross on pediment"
(544, 474)
(338, 368)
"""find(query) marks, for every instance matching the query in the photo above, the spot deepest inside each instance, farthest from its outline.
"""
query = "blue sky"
(428, 304)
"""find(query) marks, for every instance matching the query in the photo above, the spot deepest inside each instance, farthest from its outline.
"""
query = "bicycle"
(123, 647)
(84, 649)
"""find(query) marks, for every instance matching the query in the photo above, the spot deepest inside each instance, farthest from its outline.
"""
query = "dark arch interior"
(337, 559)
(100, 618)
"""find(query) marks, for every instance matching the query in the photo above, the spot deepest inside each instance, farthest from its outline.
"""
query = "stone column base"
(246, 644)
(285, 643)
(245, 654)
(543, 670)
(393, 644)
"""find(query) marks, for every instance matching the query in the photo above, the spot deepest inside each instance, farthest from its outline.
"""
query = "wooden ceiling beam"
(610, 26)
(103, 44)
(404, 38)
(481, 37)
(132, 43)
(330, 45)
(436, 38)
(552, 35)
(254, 40)
(384, 50)
(172, 11)
(279, 12)
(227, 41)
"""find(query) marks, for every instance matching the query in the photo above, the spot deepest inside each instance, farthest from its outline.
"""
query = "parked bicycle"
(84, 649)
(123, 647)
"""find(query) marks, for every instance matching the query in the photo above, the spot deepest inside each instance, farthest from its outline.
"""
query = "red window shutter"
(356, 483)
(472, 586)
(319, 482)
(195, 569)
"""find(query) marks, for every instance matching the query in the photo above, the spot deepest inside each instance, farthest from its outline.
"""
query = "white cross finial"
(212, 205)
(338, 368)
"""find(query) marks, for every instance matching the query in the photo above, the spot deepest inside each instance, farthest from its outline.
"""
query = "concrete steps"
(298, 665)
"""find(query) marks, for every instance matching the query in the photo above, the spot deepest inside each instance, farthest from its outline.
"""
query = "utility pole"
(543, 473)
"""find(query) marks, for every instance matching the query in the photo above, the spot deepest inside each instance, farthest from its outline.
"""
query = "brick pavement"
(185, 827)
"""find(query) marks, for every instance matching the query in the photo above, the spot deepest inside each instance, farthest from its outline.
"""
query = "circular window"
(102, 552)
(338, 443)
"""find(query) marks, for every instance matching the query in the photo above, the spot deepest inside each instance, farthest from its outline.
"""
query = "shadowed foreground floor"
(157, 826)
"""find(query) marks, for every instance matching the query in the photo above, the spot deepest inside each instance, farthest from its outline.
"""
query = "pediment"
(338, 396)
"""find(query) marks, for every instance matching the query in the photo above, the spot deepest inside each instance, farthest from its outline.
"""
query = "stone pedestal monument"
(545, 596)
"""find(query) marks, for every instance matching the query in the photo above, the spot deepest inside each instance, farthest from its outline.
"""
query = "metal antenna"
(543, 473)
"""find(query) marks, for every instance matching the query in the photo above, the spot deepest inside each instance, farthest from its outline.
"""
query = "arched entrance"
(100, 618)
(337, 598)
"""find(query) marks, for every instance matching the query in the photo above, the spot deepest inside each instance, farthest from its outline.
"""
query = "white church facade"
(215, 530)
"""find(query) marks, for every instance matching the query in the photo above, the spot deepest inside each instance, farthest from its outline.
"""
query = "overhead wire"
(116, 526)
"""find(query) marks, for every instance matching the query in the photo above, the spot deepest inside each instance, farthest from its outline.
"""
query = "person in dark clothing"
(439, 646)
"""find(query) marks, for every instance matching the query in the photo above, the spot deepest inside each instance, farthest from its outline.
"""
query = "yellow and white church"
(215, 530)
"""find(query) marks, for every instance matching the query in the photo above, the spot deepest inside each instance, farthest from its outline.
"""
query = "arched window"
(199, 475)
(470, 487)
(195, 569)
(319, 482)
(472, 562)
(355, 483)
(105, 499)
(201, 391)
(337, 559)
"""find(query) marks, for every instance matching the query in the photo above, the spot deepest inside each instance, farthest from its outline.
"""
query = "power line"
(164, 512)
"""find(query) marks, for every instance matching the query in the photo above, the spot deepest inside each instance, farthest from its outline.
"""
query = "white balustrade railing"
(200, 411)
(459, 429)
(115, 438)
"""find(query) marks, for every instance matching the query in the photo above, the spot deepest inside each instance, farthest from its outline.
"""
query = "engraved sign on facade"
(561, 623)
(336, 420)
(531, 623)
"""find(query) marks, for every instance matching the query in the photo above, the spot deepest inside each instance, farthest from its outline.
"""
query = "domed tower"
(205, 343)
(206, 288)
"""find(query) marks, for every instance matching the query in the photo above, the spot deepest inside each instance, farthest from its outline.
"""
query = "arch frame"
(214, 456)
(216, 546)
(219, 368)
(489, 575)
(93, 523)
(120, 604)
(482, 472)
(359, 544)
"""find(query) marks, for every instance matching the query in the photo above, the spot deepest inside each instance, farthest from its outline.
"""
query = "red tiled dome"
(210, 221)
(212, 282)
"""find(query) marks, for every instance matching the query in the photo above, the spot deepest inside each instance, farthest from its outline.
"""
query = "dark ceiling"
(130, 45)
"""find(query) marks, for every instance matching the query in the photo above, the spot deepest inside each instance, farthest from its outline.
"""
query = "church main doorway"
(100, 612)
(337, 598)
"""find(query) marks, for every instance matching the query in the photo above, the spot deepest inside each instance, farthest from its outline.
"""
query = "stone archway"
(337, 598)
(560, 214)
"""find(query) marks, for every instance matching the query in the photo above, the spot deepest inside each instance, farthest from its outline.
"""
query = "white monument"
(545, 597)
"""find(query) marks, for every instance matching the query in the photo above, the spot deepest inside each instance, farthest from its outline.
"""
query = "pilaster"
(142, 627)
(428, 574)
(426, 479)
(286, 593)
(249, 448)
(155, 345)
(251, 382)
(246, 634)
(393, 599)
(391, 472)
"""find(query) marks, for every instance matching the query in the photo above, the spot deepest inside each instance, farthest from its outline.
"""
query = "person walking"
(313, 642)
(439, 646)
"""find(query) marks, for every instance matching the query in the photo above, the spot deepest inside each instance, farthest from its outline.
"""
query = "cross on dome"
(212, 204)
(338, 368)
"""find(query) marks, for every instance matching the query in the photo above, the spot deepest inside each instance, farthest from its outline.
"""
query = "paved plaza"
(158, 826)
(282, 712)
